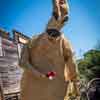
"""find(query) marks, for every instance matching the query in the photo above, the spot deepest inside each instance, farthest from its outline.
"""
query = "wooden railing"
(12, 96)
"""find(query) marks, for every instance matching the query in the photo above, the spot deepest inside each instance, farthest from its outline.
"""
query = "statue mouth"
(53, 33)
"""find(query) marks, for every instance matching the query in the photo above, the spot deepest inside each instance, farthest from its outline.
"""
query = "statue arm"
(24, 60)
(70, 65)
(70, 71)
(59, 15)
(25, 64)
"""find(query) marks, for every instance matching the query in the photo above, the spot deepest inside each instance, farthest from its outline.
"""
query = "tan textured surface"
(46, 55)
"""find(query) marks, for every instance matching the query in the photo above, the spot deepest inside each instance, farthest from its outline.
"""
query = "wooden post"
(1, 53)
(1, 90)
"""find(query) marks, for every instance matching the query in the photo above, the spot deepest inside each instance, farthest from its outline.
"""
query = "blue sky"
(31, 17)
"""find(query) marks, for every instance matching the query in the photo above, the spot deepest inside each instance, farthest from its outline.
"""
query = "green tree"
(89, 66)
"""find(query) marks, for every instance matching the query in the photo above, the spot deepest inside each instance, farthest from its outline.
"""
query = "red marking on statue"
(51, 74)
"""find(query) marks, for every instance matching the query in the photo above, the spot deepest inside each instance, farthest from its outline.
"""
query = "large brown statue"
(48, 52)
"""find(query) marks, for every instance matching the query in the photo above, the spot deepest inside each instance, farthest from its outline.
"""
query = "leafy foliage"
(89, 66)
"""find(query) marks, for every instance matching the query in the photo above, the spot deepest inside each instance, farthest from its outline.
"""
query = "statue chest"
(46, 47)
(47, 55)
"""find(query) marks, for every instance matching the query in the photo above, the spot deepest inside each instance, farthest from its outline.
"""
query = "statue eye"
(55, 15)
(65, 19)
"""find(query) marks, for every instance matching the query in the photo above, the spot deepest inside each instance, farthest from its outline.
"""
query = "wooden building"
(10, 72)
